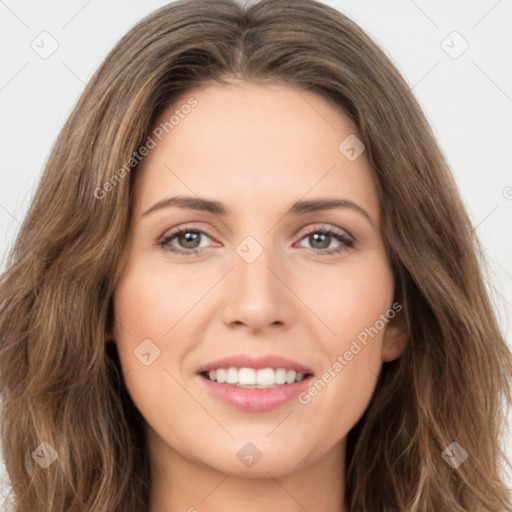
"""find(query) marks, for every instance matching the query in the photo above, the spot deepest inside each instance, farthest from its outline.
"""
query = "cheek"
(153, 308)
(148, 306)
(151, 299)
(352, 305)
(350, 299)
(340, 394)
(139, 326)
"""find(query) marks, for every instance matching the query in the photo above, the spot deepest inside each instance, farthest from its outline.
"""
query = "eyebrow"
(217, 208)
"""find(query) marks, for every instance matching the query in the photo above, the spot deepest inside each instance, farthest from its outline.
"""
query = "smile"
(254, 382)
(254, 378)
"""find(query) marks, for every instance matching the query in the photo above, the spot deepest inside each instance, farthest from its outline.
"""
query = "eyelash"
(346, 243)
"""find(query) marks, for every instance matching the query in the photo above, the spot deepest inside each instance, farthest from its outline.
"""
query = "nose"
(258, 295)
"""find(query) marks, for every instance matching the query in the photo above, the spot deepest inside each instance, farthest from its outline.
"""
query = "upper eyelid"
(338, 230)
(171, 233)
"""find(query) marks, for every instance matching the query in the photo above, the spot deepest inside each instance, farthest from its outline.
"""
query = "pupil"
(189, 239)
(323, 243)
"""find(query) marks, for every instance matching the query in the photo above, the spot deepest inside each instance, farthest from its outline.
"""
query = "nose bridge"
(257, 297)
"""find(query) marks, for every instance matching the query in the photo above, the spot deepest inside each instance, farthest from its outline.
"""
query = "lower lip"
(255, 399)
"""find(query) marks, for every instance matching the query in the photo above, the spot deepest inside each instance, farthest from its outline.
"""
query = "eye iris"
(315, 236)
(189, 237)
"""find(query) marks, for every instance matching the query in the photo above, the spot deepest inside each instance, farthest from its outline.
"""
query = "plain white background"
(456, 56)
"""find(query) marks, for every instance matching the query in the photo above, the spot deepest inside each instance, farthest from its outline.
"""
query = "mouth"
(262, 378)
(255, 383)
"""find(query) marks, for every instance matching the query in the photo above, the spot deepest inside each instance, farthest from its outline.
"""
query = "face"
(257, 277)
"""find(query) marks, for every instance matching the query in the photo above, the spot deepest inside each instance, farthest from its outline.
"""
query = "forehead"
(245, 141)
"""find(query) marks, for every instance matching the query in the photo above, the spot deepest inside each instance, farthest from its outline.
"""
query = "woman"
(173, 338)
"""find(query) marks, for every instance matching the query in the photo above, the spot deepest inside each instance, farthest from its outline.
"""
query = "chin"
(249, 462)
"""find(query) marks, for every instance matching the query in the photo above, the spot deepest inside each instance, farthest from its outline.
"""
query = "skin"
(257, 148)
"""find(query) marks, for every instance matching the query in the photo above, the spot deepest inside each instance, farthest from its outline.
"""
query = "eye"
(321, 238)
(188, 239)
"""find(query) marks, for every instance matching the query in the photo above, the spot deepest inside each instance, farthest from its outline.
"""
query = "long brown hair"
(61, 383)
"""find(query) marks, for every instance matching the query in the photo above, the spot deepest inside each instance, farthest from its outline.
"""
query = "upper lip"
(257, 362)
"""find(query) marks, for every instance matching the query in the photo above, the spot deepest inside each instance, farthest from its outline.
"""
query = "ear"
(396, 336)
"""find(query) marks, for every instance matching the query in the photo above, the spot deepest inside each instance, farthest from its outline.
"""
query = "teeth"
(280, 376)
(251, 378)
(266, 377)
(232, 376)
(246, 377)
